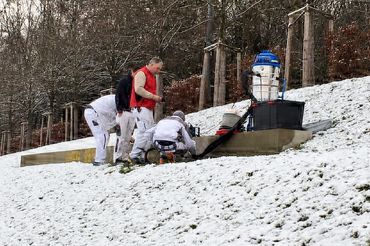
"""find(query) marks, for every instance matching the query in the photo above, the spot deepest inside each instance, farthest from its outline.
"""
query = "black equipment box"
(278, 114)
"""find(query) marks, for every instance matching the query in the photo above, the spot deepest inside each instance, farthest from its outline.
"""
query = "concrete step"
(262, 142)
(241, 144)
(80, 155)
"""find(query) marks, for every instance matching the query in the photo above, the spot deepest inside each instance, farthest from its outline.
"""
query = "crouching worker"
(100, 115)
(171, 137)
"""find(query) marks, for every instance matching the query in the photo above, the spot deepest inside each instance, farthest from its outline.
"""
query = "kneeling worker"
(171, 137)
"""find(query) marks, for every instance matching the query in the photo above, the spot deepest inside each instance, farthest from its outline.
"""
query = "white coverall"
(101, 118)
(144, 121)
(168, 130)
(127, 124)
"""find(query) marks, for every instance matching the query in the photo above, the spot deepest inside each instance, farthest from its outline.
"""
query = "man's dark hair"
(133, 66)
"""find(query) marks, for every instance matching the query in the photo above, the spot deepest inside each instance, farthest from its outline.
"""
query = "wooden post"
(2, 142)
(204, 83)
(20, 138)
(41, 129)
(222, 84)
(238, 67)
(217, 76)
(331, 33)
(331, 26)
(48, 128)
(159, 107)
(47, 137)
(66, 124)
(8, 142)
(331, 48)
(308, 76)
(75, 121)
(5, 143)
(23, 131)
(288, 51)
(71, 122)
(219, 87)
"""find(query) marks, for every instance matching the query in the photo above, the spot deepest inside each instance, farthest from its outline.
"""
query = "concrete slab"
(81, 155)
(242, 144)
(271, 141)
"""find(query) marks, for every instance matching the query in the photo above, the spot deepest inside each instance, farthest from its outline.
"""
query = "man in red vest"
(143, 100)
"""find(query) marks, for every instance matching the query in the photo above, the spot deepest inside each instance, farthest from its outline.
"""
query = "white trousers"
(127, 124)
(100, 134)
(144, 121)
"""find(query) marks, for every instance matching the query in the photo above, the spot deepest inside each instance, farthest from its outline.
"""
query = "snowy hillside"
(317, 194)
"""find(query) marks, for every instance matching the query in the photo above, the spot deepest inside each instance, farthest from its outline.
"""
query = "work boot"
(169, 157)
(120, 161)
(126, 167)
(97, 163)
(137, 161)
(162, 160)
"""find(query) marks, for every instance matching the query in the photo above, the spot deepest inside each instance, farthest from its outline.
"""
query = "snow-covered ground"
(317, 194)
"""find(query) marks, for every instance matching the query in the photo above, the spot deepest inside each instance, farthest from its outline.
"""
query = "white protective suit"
(127, 124)
(169, 129)
(100, 115)
(144, 121)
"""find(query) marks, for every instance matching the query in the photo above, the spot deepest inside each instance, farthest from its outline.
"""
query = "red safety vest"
(150, 85)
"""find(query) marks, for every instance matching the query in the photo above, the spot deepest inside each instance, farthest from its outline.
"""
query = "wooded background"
(57, 51)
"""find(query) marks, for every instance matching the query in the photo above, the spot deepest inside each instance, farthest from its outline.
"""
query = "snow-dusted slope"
(318, 194)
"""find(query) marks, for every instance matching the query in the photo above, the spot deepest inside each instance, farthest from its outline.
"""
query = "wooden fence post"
(48, 127)
(22, 137)
(2, 142)
(66, 123)
(41, 130)
(204, 83)
(217, 76)
(219, 86)
(8, 149)
(75, 120)
(238, 67)
(71, 122)
(222, 84)
(288, 51)
(308, 73)
(159, 107)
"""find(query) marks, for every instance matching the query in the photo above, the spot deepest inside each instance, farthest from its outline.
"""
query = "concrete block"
(81, 155)
(271, 141)
(241, 144)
